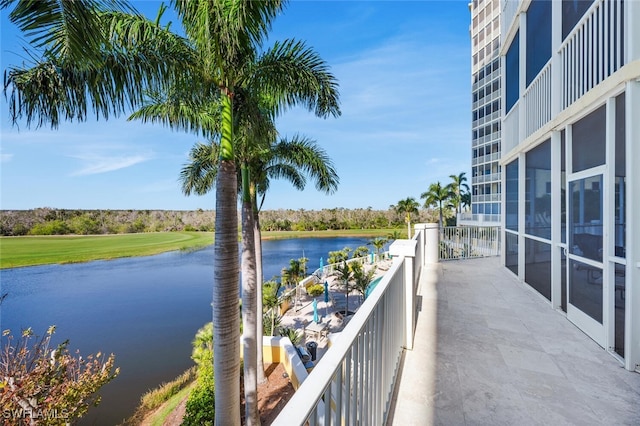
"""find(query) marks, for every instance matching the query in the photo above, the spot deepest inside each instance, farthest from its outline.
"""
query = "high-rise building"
(486, 114)
(570, 154)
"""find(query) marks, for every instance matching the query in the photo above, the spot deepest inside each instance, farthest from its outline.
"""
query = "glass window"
(538, 37)
(512, 73)
(585, 230)
(620, 180)
(538, 191)
(619, 297)
(537, 267)
(585, 289)
(589, 136)
(511, 208)
(572, 11)
(511, 254)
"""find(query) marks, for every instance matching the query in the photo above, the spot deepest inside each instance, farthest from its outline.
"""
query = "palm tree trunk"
(257, 238)
(249, 313)
(226, 321)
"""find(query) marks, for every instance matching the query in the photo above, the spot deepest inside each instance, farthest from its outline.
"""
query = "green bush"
(315, 290)
(200, 404)
(52, 227)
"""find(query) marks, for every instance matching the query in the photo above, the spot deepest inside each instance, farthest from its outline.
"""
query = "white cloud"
(5, 158)
(96, 163)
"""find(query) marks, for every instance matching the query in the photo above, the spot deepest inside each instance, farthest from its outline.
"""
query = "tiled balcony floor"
(490, 351)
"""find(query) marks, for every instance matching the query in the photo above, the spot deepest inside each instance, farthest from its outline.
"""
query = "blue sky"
(404, 74)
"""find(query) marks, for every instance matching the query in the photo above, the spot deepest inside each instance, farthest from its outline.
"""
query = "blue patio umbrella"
(315, 311)
(326, 292)
(321, 265)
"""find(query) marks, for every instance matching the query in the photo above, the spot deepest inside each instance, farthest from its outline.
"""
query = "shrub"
(52, 227)
(315, 290)
(200, 404)
(38, 379)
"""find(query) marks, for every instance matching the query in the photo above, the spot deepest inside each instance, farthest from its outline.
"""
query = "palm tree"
(407, 207)
(378, 243)
(436, 196)
(344, 274)
(466, 199)
(89, 57)
(111, 61)
(361, 279)
(226, 36)
(458, 187)
(292, 159)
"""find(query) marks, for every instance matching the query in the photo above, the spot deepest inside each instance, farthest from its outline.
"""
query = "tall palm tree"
(227, 36)
(292, 159)
(407, 207)
(458, 187)
(436, 196)
(109, 61)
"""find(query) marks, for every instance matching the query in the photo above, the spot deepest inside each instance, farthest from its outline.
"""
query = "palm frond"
(294, 74)
(199, 175)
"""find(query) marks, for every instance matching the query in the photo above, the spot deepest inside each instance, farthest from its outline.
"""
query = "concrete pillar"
(632, 308)
(406, 250)
(430, 240)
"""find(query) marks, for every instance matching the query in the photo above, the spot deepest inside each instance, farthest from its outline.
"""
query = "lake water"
(145, 310)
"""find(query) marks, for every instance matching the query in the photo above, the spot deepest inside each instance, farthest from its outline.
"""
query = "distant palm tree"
(361, 279)
(378, 243)
(436, 196)
(459, 188)
(393, 235)
(466, 199)
(344, 274)
(407, 207)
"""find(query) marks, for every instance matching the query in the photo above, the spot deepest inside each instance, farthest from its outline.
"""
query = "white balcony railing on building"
(593, 50)
(472, 219)
(511, 129)
(537, 101)
(354, 381)
(509, 9)
(465, 242)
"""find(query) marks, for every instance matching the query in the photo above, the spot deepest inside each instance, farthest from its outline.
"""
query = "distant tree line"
(51, 221)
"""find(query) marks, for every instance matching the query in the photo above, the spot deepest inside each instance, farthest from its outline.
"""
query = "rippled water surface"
(145, 310)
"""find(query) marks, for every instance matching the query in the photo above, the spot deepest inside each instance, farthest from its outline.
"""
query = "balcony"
(486, 350)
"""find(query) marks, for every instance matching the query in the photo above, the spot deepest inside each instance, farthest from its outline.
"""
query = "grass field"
(42, 250)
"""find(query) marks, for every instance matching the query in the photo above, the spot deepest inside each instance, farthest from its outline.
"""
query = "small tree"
(271, 300)
(361, 279)
(378, 243)
(344, 273)
(38, 381)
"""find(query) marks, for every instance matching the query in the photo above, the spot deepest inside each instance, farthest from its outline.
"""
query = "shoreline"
(26, 251)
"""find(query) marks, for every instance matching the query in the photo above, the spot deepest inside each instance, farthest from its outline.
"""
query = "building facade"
(570, 156)
(486, 114)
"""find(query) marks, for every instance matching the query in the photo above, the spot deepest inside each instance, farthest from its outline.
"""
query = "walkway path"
(490, 351)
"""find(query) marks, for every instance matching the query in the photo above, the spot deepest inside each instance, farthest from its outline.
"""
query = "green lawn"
(42, 250)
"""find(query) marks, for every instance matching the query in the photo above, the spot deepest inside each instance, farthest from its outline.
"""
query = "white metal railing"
(475, 218)
(537, 101)
(509, 9)
(354, 381)
(465, 242)
(511, 129)
(593, 50)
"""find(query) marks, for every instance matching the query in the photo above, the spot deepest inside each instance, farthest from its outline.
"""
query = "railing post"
(430, 251)
(407, 249)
